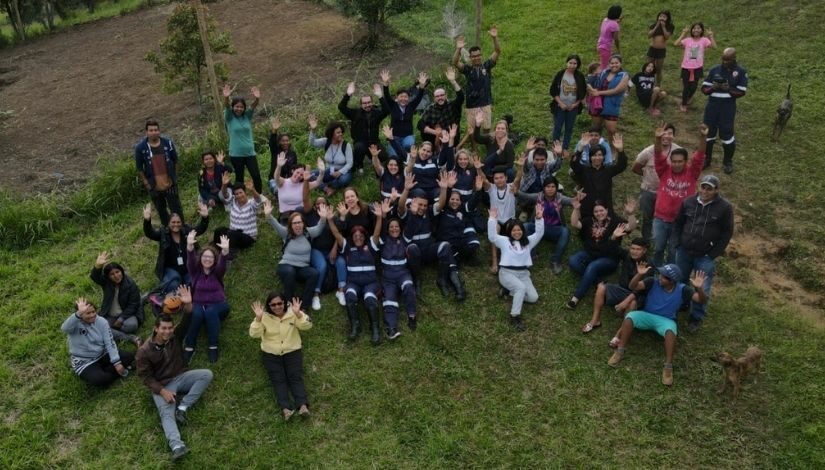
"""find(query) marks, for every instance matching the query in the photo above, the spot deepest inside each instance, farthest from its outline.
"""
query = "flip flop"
(588, 327)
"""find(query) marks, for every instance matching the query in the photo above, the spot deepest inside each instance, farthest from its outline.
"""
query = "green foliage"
(375, 13)
(181, 59)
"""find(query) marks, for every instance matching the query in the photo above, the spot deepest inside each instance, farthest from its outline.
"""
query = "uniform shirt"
(479, 81)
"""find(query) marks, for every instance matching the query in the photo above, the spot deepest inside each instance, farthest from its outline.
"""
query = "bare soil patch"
(71, 98)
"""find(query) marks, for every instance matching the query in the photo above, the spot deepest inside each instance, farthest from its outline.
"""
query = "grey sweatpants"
(190, 385)
(518, 282)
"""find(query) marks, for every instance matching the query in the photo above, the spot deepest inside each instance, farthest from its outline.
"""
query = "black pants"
(286, 373)
(290, 276)
(166, 199)
(251, 164)
(237, 239)
(689, 86)
(101, 373)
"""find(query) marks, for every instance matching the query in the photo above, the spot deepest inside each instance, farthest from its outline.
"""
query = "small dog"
(783, 115)
(737, 369)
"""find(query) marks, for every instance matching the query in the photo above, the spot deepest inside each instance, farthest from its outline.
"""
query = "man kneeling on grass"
(665, 296)
(160, 364)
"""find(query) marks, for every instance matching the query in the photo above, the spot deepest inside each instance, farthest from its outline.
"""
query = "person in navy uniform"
(724, 85)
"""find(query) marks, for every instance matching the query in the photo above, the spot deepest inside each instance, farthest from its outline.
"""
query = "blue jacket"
(143, 159)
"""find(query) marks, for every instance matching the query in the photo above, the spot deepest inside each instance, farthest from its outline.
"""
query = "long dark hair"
(330, 131)
(237, 100)
(668, 22)
(614, 12)
(699, 24)
(508, 229)
(574, 56)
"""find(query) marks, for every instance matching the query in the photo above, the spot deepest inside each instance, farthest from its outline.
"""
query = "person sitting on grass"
(552, 203)
(243, 214)
(389, 177)
(646, 90)
(442, 113)
(206, 269)
(210, 179)
(396, 277)
(279, 143)
(502, 196)
(402, 110)
(170, 267)
(362, 275)
(514, 270)
(500, 151)
(121, 306)
(596, 179)
(665, 295)
(93, 354)
(161, 365)
(601, 237)
(619, 295)
(337, 156)
(455, 222)
(426, 169)
(279, 330)
(291, 190)
(537, 169)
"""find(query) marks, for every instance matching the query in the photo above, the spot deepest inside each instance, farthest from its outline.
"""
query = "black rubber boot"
(375, 329)
(354, 325)
(418, 290)
(443, 281)
(458, 285)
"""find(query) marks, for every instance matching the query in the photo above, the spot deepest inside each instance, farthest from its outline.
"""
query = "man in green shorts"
(665, 295)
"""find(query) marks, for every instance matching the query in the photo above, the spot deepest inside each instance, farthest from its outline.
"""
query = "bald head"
(729, 53)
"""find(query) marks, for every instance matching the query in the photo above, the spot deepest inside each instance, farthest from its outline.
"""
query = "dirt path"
(76, 96)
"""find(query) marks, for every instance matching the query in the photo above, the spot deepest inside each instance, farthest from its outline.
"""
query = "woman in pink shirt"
(694, 58)
(609, 35)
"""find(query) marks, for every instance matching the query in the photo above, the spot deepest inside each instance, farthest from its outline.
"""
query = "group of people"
(434, 189)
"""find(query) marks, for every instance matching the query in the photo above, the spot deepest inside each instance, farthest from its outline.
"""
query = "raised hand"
(685, 30)
(580, 195)
(452, 178)
(312, 121)
(377, 90)
(185, 294)
(493, 212)
(350, 88)
(393, 194)
(530, 145)
(385, 77)
(374, 150)
(618, 142)
(697, 279)
(190, 238)
(385, 205)
(256, 92)
(267, 207)
(342, 209)
(220, 157)
(443, 182)
(453, 131)
(708, 33)
(226, 178)
(620, 231)
(558, 149)
(413, 151)
(643, 268)
(460, 42)
(576, 202)
(376, 209)
(227, 91)
(659, 131)
(479, 182)
(203, 210)
(147, 211)
(703, 130)
(102, 259)
(539, 211)
(281, 159)
(249, 185)
(477, 163)
(445, 137)
(321, 165)
(83, 306)
(409, 181)
(493, 32)
(630, 206)
(387, 131)
(324, 211)
(522, 160)
(422, 79)
(296, 306)
(258, 310)
(275, 122)
(224, 244)
(450, 74)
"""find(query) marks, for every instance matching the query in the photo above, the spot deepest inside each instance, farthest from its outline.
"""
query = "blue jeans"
(558, 234)
(212, 315)
(341, 271)
(566, 119)
(318, 260)
(341, 182)
(664, 238)
(172, 279)
(591, 269)
(406, 143)
(688, 263)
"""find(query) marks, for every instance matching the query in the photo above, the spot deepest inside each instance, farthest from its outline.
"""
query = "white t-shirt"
(504, 201)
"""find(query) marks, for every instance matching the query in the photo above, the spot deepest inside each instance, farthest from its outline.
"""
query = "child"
(693, 60)
(646, 90)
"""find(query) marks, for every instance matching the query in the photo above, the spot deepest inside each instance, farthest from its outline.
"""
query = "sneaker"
(694, 325)
(393, 333)
(503, 293)
(572, 304)
(212, 354)
(187, 356)
(667, 375)
(517, 323)
(616, 358)
(180, 416)
(316, 303)
(179, 452)
(360, 171)
(287, 413)
(411, 323)
(303, 412)
(341, 298)
(728, 169)
(682, 108)
(557, 268)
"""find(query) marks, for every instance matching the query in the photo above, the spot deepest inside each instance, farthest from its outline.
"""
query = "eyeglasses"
(275, 304)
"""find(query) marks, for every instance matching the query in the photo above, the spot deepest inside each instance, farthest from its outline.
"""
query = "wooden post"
(478, 23)
(207, 53)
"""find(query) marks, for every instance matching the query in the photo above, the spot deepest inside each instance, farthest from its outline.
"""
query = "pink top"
(694, 56)
(608, 30)
(290, 196)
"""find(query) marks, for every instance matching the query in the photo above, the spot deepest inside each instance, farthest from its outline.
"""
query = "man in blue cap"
(664, 296)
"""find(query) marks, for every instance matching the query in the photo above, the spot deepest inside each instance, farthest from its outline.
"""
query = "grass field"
(465, 390)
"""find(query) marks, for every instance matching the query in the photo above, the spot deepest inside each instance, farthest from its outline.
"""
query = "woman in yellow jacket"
(279, 329)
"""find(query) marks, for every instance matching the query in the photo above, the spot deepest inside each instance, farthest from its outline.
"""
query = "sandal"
(588, 327)
(614, 343)
(288, 413)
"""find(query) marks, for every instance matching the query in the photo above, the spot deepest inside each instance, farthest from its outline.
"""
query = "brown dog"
(737, 369)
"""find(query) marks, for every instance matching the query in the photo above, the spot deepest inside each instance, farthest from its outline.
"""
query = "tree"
(181, 59)
(374, 13)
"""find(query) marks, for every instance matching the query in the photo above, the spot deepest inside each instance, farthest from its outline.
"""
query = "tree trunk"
(17, 21)
(478, 23)
(207, 54)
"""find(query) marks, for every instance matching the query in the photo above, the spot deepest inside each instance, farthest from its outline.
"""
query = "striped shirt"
(243, 218)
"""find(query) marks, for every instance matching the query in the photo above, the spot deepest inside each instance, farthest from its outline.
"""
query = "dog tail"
(788, 94)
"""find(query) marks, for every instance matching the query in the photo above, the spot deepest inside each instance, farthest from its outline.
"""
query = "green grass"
(464, 390)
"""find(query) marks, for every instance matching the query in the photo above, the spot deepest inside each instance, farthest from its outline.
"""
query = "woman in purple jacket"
(209, 301)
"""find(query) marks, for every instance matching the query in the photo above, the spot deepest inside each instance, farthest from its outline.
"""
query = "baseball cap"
(710, 180)
(671, 271)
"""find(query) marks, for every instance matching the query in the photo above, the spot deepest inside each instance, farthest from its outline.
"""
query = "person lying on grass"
(665, 295)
